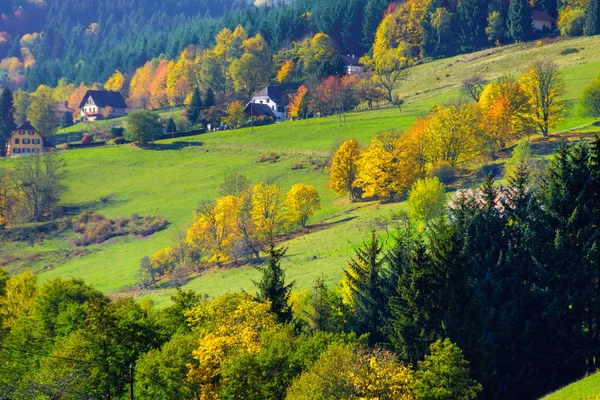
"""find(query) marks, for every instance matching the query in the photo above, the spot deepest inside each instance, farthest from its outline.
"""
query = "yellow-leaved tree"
(18, 295)
(427, 200)
(229, 325)
(213, 230)
(254, 68)
(455, 134)
(116, 82)
(344, 169)
(302, 202)
(390, 66)
(544, 85)
(416, 145)
(267, 210)
(384, 169)
(236, 116)
(286, 71)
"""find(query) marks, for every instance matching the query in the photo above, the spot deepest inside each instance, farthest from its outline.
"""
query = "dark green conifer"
(193, 109)
(472, 17)
(272, 286)
(518, 22)
(592, 18)
(209, 98)
(7, 122)
(366, 280)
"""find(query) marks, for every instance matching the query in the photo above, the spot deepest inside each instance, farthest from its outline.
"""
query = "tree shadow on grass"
(96, 205)
(179, 145)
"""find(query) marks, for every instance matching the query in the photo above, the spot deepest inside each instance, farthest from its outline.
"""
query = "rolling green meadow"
(587, 388)
(171, 177)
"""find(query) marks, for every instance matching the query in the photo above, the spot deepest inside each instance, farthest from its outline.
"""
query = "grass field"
(585, 389)
(173, 176)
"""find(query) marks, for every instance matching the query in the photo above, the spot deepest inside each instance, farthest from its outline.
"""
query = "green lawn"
(585, 389)
(174, 176)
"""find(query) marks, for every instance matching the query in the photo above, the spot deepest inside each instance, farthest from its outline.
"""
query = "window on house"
(25, 150)
(36, 150)
(25, 141)
(21, 132)
(36, 141)
(30, 132)
(16, 150)
(16, 141)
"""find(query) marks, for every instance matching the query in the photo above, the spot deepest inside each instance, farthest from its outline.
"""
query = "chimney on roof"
(66, 103)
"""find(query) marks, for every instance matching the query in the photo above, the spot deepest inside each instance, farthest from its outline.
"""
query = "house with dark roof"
(99, 104)
(542, 21)
(26, 140)
(61, 108)
(269, 97)
(353, 66)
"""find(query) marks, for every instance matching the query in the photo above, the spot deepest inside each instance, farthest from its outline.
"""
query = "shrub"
(297, 166)
(444, 172)
(490, 169)
(117, 132)
(590, 99)
(272, 157)
(571, 23)
(568, 50)
(118, 140)
(87, 139)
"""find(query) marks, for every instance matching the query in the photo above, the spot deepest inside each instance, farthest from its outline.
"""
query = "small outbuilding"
(542, 21)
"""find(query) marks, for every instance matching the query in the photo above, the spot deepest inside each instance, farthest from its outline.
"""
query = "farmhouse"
(353, 66)
(269, 98)
(25, 140)
(542, 21)
(61, 108)
(98, 104)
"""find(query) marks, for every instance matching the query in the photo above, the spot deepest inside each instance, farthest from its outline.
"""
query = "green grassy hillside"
(585, 389)
(173, 176)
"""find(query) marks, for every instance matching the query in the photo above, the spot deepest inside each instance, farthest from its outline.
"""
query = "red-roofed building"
(61, 108)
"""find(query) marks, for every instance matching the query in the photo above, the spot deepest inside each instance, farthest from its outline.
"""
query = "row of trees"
(505, 112)
(240, 224)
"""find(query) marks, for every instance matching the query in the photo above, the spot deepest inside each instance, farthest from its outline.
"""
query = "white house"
(542, 21)
(353, 66)
(98, 104)
(271, 97)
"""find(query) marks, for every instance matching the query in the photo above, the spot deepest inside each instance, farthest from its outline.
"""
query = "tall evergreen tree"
(365, 279)
(194, 108)
(472, 19)
(592, 18)
(7, 122)
(209, 98)
(272, 286)
(518, 22)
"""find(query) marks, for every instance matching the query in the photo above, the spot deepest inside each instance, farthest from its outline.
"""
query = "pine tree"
(365, 279)
(272, 287)
(171, 127)
(194, 108)
(518, 23)
(592, 18)
(7, 122)
(209, 98)
(66, 119)
(472, 16)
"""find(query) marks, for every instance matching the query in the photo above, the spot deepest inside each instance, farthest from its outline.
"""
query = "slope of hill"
(587, 389)
(173, 176)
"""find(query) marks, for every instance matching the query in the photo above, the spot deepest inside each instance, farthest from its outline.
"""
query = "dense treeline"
(498, 298)
(87, 41)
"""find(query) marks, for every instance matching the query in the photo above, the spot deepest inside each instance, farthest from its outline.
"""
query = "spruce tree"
(66, 119)
(592, 18)
(518, 22)
(366, 281)
(193, 109)
(171, 127)
(272, 287)
(472, 17)
(7, 122)
(209, 98)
